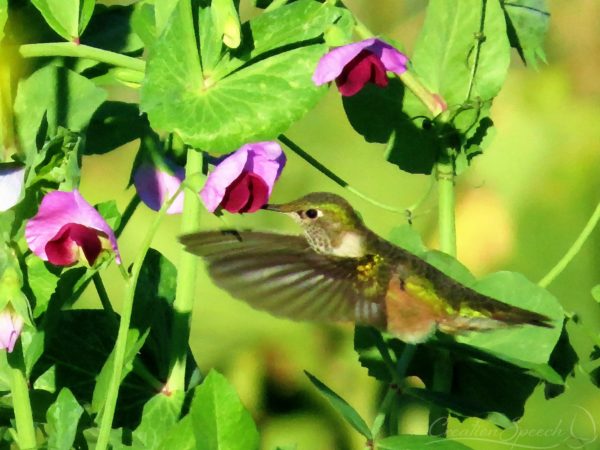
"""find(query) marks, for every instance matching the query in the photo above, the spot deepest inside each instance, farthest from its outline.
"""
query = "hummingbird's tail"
(491, 314)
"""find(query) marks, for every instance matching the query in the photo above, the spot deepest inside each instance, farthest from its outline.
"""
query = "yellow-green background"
(520, 206)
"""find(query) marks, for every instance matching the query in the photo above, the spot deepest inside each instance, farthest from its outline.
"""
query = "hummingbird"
(340, 270)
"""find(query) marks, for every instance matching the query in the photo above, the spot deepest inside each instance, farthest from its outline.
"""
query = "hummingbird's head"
(329, 222)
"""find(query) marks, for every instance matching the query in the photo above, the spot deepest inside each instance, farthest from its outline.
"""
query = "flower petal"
(11, 325)
(392, 59)
(12, 180)
(225, 173)
(248, 193)
(58, 209)
(155, 186)
(63, 249)
(265, 159)
(330, 65)
(364, 68)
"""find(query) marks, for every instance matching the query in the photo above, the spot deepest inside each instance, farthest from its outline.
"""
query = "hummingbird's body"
(342, 271)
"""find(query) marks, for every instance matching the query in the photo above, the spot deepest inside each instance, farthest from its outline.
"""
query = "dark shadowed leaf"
(61, 97)
(342, 406)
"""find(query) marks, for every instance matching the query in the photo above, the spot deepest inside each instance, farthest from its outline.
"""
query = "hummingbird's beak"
(271, 207)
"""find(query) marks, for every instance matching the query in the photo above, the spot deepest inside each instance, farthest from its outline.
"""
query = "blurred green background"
(520, 206)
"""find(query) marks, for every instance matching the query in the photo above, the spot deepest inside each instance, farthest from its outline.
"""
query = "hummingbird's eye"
(312, 213)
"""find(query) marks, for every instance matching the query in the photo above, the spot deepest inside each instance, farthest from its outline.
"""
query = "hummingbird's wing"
(284, 276)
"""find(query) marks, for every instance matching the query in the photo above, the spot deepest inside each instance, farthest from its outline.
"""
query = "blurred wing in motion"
(281, 274)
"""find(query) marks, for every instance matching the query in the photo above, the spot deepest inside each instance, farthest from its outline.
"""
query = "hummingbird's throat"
(348, 244)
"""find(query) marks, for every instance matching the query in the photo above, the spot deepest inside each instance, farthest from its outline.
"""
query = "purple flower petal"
(155, 186)
(11, 187)
(59, 209)
(265, 159)
(11, 325)
(63, 249)
(332, 64)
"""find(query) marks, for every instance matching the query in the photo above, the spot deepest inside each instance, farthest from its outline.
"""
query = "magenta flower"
(11, 325)
(65, 226)
(354, 65)
(155, 186)
(12, 180)
(242, 181)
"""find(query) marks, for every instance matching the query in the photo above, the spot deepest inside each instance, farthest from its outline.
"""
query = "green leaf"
(527, 23)
(41, 281)
(109, 212)
(143, 22)
(516, 342)
(63, 417)
(342, 406)
(219, 419)
(414, 442)
(159, 417)
(446, 56)
(67, 17)
(227, 22)
(220, 112)
(180, 437)
(44, 94)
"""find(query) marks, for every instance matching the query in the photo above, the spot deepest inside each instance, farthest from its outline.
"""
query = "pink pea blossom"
(155, 186)
(66, 226)
(11, 325)
(354, 65)
(243, 181)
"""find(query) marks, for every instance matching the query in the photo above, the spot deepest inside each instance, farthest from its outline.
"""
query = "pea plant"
(215, 95)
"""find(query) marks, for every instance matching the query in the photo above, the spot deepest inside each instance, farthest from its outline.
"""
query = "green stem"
(573, 250)
(186, 279)
(7, 126)
(480, 38)
(442, 369)
(333, 177)
(102, 294)
(121, 344)
(21, 403)
(446, 207)
(81, 51)
(394, 388)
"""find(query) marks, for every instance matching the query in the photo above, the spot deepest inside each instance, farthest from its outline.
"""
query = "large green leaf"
(527, 23)
(254, 96)
(414, 442)
(220, 421)
(180, 437)
(63, 417)
(447, 57)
